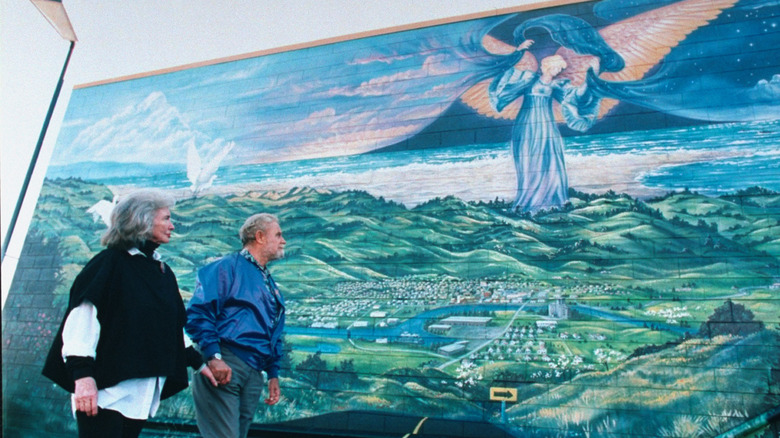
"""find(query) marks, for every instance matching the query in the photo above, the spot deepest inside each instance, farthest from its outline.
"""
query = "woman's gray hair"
(255, 223)
(132, 219)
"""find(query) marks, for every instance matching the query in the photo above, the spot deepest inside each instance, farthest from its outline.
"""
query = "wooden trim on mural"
(339, 39)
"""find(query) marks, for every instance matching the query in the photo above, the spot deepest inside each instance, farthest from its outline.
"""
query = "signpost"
(503, 395)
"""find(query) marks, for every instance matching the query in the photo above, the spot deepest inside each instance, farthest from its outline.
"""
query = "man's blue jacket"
(234, 307)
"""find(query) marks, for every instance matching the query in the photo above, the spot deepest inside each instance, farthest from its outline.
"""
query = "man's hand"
(221, 371)
(274, 393)
(85, 396)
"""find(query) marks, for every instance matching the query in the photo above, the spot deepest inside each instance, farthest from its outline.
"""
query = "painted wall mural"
(576, 206)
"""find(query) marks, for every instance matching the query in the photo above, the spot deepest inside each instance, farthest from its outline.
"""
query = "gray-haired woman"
(121, 346)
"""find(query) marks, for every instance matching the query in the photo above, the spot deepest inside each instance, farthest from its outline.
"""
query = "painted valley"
(595, 312)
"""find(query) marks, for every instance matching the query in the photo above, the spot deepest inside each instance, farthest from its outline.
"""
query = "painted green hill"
(683, 247)
(699, 385)
(353, 236)
(748, 216)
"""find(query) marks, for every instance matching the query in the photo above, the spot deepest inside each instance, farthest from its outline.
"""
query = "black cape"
(141, 317)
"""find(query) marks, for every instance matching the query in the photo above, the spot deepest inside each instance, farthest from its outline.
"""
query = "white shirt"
(138, 399)
(134, 398)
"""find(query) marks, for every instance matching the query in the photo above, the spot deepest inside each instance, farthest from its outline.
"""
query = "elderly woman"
(121, 347)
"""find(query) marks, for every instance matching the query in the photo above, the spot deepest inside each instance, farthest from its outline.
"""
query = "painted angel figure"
(583, 80)
(537, 145)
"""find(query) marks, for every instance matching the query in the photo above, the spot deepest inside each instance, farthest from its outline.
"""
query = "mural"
(560, 222)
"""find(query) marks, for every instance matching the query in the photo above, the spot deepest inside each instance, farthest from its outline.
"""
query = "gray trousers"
(227, 411)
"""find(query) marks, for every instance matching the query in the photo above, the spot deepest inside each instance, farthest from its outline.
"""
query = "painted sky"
(351, 97)
(366, 94)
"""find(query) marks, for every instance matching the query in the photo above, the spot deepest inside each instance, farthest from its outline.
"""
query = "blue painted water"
(712, 160)
(416, 326)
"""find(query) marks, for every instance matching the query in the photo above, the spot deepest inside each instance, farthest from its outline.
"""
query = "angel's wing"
(642, 40)
(477, 96)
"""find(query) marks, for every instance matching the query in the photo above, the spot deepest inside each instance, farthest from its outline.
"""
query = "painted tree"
(731, 319)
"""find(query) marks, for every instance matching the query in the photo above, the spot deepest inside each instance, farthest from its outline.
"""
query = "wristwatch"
(215, 356)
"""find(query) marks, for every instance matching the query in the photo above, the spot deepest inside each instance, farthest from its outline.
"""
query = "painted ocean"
(713, 160)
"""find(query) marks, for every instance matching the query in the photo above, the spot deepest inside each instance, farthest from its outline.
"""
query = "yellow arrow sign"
(503, 394)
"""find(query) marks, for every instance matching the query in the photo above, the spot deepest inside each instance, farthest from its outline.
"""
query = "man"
(236, 316)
